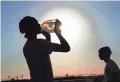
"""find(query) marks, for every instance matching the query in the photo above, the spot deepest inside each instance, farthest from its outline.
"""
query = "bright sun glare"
(74, 25)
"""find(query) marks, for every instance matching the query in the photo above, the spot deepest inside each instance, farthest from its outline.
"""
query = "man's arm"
(47, 35)
(63, 46)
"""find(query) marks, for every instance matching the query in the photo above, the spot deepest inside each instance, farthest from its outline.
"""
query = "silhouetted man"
(37, 51)
(111, 71)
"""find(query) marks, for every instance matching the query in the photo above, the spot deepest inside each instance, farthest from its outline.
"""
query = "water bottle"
(49, 25)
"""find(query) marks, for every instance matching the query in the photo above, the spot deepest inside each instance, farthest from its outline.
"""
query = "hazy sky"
(104, 29)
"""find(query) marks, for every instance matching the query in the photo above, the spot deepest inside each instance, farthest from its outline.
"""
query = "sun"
(73, 24)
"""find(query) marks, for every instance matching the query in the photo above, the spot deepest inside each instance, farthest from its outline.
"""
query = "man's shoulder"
(113, 66)
(35, 42)
(41, 41)
(111, 62)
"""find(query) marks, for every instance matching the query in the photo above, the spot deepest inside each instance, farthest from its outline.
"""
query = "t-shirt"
(110, 68)
(37, 57)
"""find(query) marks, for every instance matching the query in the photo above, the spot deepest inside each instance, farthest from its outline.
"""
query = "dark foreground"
(67, 79)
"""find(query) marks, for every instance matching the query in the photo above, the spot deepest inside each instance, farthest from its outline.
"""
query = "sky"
(101, 29)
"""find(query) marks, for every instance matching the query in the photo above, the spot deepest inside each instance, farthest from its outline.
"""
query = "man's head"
(104, 53)
(30, 26)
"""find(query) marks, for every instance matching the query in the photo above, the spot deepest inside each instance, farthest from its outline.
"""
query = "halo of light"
(74, 25)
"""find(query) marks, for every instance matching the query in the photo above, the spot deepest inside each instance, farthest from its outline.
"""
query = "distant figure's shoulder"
(111, 61)
(113, 66)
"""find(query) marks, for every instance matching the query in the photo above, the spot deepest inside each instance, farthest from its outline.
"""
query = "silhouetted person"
(37, 51)
(111, 71)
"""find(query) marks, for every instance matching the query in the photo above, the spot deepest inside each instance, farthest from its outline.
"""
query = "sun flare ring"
(73, 24)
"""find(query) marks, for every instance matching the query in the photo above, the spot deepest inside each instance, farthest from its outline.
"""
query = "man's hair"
(105, 49)
(28, 25)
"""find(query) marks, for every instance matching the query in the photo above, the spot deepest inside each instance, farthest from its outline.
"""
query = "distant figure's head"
(104, 53)
(30, 26)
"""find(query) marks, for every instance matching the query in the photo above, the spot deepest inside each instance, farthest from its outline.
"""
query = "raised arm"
(63, 46)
